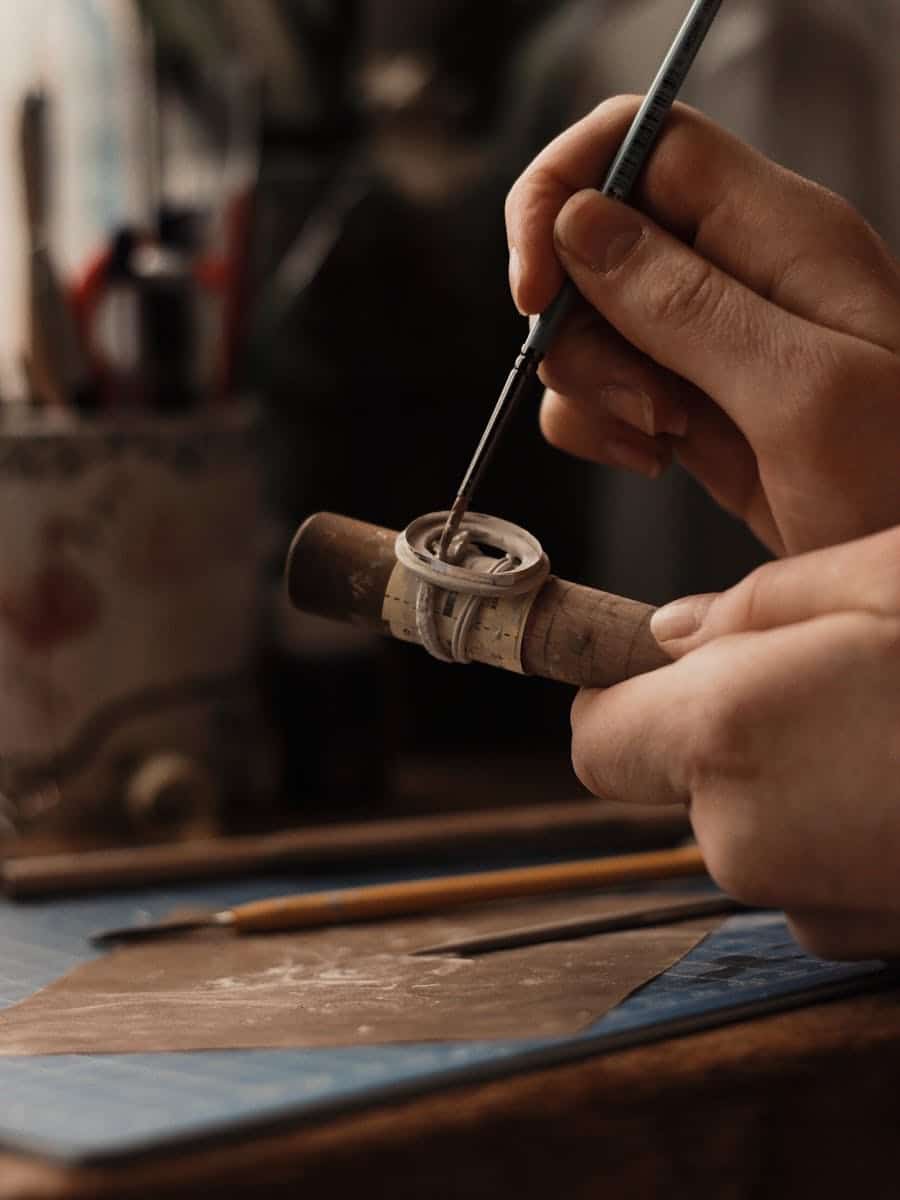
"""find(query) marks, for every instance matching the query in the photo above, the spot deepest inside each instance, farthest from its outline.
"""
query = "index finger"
(746, 215)
(572, 161)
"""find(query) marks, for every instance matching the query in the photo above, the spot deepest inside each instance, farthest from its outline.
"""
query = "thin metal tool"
(581, 927)
(620, 179)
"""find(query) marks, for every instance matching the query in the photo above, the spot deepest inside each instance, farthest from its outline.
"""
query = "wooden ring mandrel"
(340, 568)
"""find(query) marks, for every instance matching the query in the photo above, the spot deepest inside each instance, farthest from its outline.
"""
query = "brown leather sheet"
(355, 985)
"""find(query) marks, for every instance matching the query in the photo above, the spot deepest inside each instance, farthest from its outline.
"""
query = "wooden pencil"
(450, 891)
(413, 897)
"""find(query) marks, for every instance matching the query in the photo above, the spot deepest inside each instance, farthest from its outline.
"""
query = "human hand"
(779, 727)
(749, 314)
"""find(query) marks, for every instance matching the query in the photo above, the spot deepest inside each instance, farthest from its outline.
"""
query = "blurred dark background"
(381, 322)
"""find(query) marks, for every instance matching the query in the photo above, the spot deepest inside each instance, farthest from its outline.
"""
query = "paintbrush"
(411, 898)
(619, 182)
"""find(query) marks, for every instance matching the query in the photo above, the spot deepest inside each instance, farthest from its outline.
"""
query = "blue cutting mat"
(76, 1107)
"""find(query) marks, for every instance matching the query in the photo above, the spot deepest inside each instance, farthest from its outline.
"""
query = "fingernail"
(597, 231)
(632, 406)
(678, 620)
(635, 407)
(515, 274)
(632, 458)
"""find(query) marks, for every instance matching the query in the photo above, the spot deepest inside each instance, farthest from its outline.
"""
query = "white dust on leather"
(473, 606)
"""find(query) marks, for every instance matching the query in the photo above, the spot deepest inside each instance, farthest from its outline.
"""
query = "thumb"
(860, 576)
(678, 307)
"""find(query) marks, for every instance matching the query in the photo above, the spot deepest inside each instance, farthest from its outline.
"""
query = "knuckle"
(719, 745)
(593, 761)
(832, 371)
(843, 224)
(555, 420)
(745, 606)
(821, 411)
(843, 217)
(620, 107)
(612, 114)
(509, 204)
(688, 296)
(732, 861)
(875, 563)
(514, 203)
(690, 148)
(535, 198)
(542, 186)
(511, 209)
(847, 236)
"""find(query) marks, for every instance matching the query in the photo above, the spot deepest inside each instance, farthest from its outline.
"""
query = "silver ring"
(416, 546)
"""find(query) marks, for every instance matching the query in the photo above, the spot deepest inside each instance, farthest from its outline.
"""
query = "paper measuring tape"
(474, 606)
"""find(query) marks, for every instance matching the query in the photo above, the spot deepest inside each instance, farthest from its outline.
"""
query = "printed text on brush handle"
(631, 156)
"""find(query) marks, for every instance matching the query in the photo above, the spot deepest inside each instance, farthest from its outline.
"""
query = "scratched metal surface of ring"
(416, 546)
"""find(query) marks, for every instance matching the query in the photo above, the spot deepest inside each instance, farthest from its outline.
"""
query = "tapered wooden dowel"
(594, 827)
(340, 568)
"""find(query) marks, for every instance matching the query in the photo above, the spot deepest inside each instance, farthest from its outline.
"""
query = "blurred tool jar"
(130, 588)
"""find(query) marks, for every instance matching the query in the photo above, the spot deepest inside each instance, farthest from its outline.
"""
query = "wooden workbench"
(801, 1104)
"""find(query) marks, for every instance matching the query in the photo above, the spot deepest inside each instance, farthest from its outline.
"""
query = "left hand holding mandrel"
(779, 727)
(748, 313)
